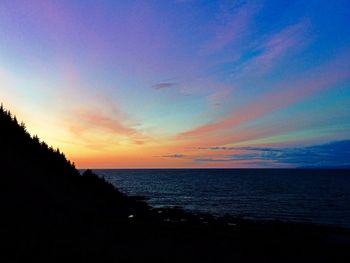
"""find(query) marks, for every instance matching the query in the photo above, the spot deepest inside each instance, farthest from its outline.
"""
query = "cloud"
(224, 148)
(319, 79)
(228, 158)
(176, 155)
(217, 98)
(98, 130)
(333, 154)
(230, 29)
(88, 119)
(163, 85)
(278, 46)
(209, 160)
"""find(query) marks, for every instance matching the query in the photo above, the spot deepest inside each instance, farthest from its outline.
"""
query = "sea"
(294, 195)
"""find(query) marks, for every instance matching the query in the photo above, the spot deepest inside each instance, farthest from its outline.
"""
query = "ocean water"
(309, 196)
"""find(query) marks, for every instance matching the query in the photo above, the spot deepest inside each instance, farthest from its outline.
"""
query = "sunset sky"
(181, 83)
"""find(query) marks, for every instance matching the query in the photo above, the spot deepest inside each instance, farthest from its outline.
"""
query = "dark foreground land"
(51, 213)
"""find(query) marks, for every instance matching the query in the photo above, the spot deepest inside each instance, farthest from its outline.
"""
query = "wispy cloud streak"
(278, 46)
(231, 29)
(163, 85)
(176, 155)
(320, 79)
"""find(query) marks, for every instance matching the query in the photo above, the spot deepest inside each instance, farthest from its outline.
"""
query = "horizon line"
(220, 168)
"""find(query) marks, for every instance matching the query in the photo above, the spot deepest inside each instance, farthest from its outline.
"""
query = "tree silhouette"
(42, 173)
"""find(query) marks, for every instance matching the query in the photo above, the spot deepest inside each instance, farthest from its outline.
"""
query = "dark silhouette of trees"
(44, 175)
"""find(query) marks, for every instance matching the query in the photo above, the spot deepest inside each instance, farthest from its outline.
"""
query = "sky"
(181, 83)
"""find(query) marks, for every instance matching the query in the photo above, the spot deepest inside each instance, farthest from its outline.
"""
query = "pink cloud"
(84, 109)
(83, 120)
(320, 79)
(86, 119)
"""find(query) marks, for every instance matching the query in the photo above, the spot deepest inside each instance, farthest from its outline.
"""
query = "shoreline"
(251, 202)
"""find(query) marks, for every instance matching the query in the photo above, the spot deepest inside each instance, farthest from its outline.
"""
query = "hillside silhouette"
(50, 183)
(51, 212)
